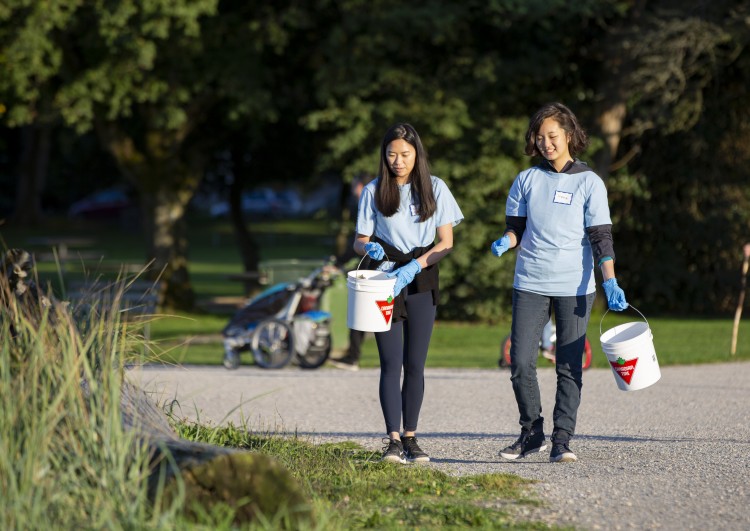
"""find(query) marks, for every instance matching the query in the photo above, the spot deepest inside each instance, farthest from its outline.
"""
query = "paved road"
(673, 456)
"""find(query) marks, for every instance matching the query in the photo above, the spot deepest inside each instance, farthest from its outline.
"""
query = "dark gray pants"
(405, 345)
(531, 312)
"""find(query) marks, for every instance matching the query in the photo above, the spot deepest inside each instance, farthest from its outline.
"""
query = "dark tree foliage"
(684, 211)
(289, 89)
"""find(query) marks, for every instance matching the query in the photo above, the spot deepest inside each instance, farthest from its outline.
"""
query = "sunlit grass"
(471, 345)
(351, 488)
(66, 461)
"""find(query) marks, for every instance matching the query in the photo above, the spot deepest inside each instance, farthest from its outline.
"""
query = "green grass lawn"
(676, 341)
(195, 338)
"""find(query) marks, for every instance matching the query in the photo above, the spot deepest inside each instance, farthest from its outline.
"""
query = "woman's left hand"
(404, 275)
(615, 295)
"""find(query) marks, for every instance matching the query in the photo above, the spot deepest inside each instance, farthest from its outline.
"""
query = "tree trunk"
(612, 109)
(609, 123)
(166, 177)
(36, 141)
(246, 241)
(167, 244)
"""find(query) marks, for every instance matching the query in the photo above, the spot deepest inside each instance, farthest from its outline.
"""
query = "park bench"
(136, 301)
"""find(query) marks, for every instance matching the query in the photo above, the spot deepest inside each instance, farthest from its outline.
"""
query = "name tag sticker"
(413, 209)
(563, 198)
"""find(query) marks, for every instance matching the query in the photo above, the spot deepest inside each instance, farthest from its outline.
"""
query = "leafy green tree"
(466, 75)
(153, 80)
(685, 205)
(659, 59)
(679, 196)
(289, 86)
(29, 60)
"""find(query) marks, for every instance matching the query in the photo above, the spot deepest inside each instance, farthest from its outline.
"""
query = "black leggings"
(405, 344)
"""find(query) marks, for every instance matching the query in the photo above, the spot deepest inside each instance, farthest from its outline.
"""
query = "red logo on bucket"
(386, 308)
(624, 368)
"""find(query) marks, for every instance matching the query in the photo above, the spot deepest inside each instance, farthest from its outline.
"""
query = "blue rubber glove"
(374, 250)
(501, 245)
(615, 296)
(404, 275)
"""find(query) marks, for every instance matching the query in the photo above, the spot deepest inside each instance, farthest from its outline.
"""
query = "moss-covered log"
(248, 482)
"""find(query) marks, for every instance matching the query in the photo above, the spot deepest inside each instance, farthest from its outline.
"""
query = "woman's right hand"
(501, 245)
(374, 250)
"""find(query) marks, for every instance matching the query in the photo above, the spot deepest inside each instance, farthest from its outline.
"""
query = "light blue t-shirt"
(555, 255)
(403, 230)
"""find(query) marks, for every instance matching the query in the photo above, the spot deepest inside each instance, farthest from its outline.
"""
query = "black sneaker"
(412, 450)
(393, 451)
(561, 453)
(528, 443)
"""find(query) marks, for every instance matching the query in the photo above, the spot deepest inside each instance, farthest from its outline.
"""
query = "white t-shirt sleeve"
(516, 202)
(596, 211)
(366, 211)
(447, 210)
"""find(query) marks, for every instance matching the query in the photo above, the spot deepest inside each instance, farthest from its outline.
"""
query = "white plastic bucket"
(370, 300)
(629, 348)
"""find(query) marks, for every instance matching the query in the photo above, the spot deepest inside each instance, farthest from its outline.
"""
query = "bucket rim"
(352, 276)
(644, 333)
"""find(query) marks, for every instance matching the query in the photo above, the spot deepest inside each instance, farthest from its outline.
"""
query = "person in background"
(400, 214)
(350, 360)
(558, 216)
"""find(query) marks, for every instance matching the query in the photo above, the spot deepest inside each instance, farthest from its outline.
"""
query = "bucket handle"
(365, 256)
(629, 306)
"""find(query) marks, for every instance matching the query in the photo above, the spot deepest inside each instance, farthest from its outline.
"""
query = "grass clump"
(67, 461)
(351, 488)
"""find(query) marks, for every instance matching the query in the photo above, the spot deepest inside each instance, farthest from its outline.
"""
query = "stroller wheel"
(272, 344)
(315, 355)
(231, 359)
(504, 360)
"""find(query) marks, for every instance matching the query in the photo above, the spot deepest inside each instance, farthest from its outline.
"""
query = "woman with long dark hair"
(400, 214)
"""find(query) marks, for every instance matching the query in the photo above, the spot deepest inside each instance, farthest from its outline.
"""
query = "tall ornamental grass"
(66, 462)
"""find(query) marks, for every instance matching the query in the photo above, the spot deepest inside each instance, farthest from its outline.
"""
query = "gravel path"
(673, 456)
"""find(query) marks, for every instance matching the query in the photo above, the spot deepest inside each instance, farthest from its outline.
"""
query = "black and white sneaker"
(393, 451)
(528, 443)
(412, 450)
(346, 363)
(561, 453)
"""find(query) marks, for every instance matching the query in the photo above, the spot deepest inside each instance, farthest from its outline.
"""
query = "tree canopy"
(659, 86)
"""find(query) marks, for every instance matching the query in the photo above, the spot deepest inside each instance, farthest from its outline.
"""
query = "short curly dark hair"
(567, 120)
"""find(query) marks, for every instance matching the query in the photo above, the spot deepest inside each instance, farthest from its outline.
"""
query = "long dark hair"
(568, 122)
(387, 197)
